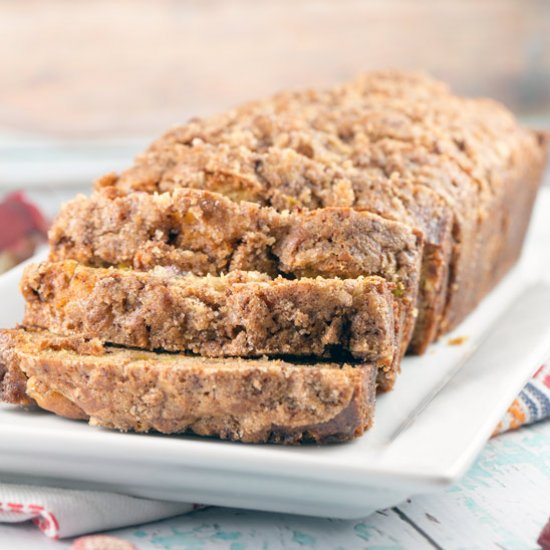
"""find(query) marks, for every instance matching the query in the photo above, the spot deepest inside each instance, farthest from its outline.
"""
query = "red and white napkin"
(61, 513)
(22, 229)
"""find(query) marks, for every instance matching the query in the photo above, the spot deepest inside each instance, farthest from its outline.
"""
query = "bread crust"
(247, 400)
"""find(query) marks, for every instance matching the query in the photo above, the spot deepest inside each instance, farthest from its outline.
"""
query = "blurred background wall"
(85, 85)
(131, 68)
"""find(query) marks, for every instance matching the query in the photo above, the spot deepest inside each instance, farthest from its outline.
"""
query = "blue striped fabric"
(531, 405)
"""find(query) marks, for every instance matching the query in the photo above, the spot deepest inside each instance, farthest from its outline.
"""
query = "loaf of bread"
(346, 225)
(313, 149)
(249, 400)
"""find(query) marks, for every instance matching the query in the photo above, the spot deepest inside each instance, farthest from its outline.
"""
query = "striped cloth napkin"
(531, 405)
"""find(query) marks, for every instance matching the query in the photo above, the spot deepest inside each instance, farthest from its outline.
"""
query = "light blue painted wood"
(503, 502)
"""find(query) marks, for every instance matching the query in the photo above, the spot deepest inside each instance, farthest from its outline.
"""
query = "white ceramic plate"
(427, 431)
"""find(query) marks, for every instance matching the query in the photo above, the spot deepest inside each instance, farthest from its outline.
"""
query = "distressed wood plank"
(209, 528)
(503, 501)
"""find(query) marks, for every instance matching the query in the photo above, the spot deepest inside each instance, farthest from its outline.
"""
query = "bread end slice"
(248, 400)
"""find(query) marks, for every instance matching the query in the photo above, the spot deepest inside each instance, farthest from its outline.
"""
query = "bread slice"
(242, 314)
(248, 400)
(206, 233)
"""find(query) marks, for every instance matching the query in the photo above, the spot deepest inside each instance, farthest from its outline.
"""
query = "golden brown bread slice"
(248, 400)
(244, 314)
(206, 233)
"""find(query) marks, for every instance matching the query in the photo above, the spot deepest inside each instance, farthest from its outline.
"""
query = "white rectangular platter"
(427, 431)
